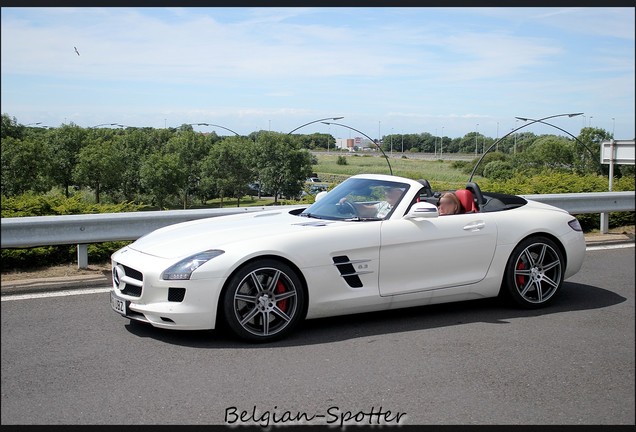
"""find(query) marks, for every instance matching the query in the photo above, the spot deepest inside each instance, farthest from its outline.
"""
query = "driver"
(379, 209)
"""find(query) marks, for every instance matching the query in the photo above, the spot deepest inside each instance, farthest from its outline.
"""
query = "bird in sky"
(76, 50)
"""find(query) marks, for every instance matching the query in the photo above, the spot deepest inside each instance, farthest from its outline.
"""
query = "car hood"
(187, 238)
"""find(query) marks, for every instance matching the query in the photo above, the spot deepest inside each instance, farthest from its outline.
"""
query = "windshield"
(358, 199)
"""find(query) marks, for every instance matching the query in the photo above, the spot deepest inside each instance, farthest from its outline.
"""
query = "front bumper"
(180, 305)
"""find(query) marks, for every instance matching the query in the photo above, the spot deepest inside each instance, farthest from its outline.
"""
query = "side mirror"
(422, 210)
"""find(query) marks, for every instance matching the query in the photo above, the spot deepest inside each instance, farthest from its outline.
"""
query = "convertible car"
(360, 247)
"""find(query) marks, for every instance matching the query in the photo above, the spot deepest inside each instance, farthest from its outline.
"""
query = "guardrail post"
(82, 256)
(604, 223)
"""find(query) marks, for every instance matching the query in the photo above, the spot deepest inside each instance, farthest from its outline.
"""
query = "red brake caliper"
(282, 304)
(521, 279)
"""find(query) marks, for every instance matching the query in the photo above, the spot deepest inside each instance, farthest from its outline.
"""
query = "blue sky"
(447, 71)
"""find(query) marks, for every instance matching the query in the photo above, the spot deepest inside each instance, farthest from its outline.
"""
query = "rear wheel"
(534, 272)
(264, 301)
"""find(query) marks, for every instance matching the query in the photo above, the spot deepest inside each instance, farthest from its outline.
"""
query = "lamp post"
(521, 127)
(214, 125)
(369, 138)
(613, 126)
(441, 144)
(435, 145)
(516, 135)
(476, 126)
(311, 122)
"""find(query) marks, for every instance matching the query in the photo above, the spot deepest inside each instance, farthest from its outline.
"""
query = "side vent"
(347, 270)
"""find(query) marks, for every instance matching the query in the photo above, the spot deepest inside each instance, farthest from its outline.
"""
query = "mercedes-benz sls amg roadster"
(363, 246)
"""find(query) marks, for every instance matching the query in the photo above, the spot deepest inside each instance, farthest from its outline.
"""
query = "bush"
(51, 205)
(342, 160)
(498, 170)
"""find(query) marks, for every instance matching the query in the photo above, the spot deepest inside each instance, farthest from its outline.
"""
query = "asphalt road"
(69, 359)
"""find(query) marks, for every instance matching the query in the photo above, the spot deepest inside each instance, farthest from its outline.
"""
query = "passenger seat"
(467, 200)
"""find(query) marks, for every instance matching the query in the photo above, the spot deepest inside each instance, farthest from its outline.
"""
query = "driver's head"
(393, 195)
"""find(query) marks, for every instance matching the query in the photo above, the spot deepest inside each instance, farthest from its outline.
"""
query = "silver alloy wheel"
(537, 273)
(265, 301)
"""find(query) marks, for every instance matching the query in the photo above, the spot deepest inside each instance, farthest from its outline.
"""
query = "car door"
(433, 253)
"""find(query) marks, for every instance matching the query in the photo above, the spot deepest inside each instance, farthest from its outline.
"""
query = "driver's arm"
(364, 210)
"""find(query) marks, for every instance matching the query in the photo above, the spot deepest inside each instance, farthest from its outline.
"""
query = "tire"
(534, 273)
(264, 301)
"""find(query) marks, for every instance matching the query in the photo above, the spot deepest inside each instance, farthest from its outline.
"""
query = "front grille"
(135, 274)
(130, 281)
(176, 294)
(131, 290)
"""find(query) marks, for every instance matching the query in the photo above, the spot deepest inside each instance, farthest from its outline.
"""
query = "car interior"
(472, 199)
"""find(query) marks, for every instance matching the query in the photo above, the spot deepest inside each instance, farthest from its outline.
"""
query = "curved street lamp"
(104, 124)
(315, 121)
(515, 130)
(369, 138)
(214, 125)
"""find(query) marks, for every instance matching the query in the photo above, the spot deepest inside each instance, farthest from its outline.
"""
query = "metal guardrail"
(588, 202)
(23, 232)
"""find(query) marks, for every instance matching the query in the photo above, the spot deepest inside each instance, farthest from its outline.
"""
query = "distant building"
(354, 144)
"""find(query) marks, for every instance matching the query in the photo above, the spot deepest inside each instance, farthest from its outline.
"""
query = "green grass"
(246, 201)
(440, 173)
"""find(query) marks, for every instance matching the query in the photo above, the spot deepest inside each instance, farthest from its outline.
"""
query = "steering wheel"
(347, 207)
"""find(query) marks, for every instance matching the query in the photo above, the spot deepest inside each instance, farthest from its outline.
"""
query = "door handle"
(475, 226)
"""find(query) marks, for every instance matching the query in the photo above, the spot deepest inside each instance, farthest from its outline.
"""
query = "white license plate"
(118, 305)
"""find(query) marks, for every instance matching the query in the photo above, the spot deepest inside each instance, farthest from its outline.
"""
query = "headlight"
(575, 225)
(184, 268)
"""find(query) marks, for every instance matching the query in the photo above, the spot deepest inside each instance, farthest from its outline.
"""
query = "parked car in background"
(254, 189)
(316, 188)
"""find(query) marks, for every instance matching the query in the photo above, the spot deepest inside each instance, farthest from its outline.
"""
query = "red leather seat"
(467, 200)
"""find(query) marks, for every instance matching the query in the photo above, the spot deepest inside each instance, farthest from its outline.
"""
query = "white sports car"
(361, 247)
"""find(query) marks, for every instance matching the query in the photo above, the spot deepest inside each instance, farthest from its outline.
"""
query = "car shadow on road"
(573, 297)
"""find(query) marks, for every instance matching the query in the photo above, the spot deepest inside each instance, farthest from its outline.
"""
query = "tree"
(134, 146)
(229, 168)
(65, 143)
(282, 165)
(162, 175)
(588, 150)
(10, 127)
(24, 165)
(551, 152)
(190, 148)
(99, 165)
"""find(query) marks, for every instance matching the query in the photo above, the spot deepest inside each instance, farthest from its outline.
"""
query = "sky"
(390, 70)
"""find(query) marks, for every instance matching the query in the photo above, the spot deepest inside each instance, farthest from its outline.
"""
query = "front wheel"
(534, 272)
(264, 301)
